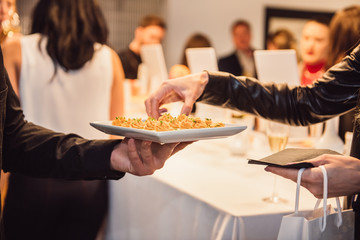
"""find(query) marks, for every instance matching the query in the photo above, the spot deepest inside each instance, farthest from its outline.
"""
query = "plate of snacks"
(168, 129)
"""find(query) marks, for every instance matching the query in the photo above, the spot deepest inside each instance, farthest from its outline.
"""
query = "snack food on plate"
(166, 123)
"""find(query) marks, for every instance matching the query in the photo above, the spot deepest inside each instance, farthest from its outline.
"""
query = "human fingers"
(343, 175)
(327, 159)
(137, 166)
(141, 160)
(154, 155)
(311, 178)
(162, 110)
(163, 151)
(341, 171)
(317, 161)
(180, 146)
(188, 105)
(165, 94)
(152, 105)
(288, 173)
(150, 156)
(147, 156)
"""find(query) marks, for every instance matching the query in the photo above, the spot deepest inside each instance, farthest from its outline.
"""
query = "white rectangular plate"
(185, 135)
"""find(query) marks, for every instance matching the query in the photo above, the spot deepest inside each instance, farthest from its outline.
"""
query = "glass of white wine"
(278, 135)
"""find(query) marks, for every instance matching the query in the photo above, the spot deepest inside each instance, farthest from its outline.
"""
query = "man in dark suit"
(35, 151)
(240, 62)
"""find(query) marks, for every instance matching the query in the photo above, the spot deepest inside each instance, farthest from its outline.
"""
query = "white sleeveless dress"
(69, 101)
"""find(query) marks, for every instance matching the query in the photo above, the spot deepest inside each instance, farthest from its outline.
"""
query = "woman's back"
(67, 101)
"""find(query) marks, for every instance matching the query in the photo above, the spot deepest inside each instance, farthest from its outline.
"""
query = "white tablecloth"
(203, 192)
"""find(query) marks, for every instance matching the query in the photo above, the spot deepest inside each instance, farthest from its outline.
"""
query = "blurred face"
(270, 45)
(151, 34)
(314, 43)
(7, 9)
(241, 37)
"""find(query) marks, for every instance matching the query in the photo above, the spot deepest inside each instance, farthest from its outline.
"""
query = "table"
(203, 192)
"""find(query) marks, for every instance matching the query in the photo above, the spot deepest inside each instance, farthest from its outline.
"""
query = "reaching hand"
(187, 89)
(142, 157)
(343, 175)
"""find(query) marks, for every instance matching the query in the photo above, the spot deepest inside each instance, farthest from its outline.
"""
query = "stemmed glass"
(278, 135)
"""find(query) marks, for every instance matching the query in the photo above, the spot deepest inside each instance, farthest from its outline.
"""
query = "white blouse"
(69, 101)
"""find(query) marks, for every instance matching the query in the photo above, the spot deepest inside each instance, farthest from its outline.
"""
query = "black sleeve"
(333, 94)
(35, 151)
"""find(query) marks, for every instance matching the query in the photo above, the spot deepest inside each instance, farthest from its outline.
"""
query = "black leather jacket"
(333, 94)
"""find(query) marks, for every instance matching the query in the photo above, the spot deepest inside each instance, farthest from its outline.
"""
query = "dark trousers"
(54, 209)
(356, 207)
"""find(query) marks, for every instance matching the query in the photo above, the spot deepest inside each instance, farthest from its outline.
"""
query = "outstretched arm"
(333, 94)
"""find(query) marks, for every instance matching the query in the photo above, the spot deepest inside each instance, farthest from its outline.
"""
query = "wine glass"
(278, 135)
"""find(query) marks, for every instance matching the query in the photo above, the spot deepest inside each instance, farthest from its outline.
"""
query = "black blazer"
(35, 151)
(130, 62)
(231, 64)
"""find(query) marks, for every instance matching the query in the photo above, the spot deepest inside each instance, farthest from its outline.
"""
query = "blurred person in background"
(314, 50)
(241, 61)
(278, 40)
(9, 20)
(150, 30)
(196, 40)
(281, 39)
(66, 76)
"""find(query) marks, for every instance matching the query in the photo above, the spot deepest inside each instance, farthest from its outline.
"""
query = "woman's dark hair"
(71, 27)
(195, 41)
(344, 33)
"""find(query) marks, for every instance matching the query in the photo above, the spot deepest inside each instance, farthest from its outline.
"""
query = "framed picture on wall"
(290, 19)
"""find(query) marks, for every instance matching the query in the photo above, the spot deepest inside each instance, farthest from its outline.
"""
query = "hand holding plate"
(142, 157)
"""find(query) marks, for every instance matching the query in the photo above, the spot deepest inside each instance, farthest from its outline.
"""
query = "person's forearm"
(331, 96)
(39, 152)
